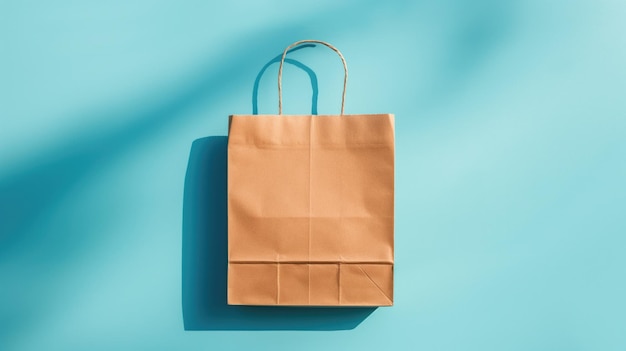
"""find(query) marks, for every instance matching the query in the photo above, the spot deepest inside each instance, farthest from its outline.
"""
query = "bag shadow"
(205, 261)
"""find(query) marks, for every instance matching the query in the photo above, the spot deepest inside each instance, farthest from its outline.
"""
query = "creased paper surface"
(310, 210)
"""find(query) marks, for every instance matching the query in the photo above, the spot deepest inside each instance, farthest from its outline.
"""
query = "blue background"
(511, 168)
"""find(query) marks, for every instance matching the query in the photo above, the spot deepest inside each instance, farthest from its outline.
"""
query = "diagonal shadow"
(29, 192)
(32, 190)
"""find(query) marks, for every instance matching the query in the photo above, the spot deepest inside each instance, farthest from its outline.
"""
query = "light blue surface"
(511, 167)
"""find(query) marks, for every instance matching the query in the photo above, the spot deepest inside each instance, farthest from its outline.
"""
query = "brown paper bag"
(310, 208)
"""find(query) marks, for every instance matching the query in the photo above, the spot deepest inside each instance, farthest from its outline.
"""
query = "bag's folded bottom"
(310, 284)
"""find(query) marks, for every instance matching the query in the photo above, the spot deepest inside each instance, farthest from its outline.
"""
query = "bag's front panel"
(311, 209)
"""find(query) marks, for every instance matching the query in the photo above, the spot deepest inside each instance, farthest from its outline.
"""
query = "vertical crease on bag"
(310, 202)
(277, 282)
(339, 283)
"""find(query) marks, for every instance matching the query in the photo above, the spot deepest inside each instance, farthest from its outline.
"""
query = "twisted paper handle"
(280, 72)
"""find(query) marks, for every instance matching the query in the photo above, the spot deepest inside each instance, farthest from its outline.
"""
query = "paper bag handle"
(280, 72)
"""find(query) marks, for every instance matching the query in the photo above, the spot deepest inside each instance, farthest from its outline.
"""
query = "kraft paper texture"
(311, 210)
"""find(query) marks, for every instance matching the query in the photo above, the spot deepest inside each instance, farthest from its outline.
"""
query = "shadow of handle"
(307, 69)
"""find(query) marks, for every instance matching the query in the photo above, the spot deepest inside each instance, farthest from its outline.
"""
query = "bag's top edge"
(346, 115)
